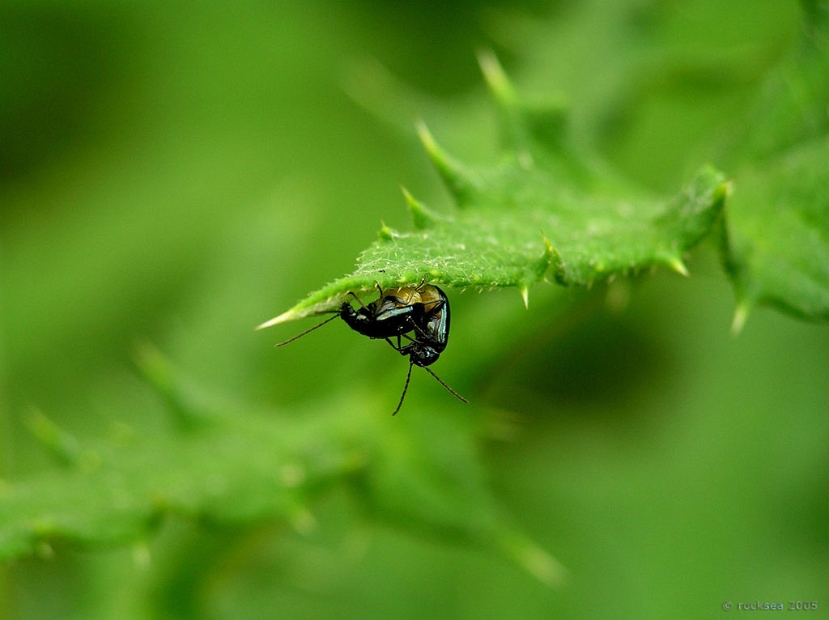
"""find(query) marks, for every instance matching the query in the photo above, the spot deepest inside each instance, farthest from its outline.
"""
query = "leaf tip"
(525, 295)
(535, 561)
(290, 315)
(740, 318)
(410, 200)
(422, 216)
(678, 265)
(385, 233)
(427, 139)
(553, 260)
(724, 190)
(458, 180)
(185, 403)
(60, 443)
(495, 77)
(545, 568)
(440, 159)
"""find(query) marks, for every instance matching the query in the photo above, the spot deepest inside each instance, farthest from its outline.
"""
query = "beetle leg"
(391, 344)
(359, 301)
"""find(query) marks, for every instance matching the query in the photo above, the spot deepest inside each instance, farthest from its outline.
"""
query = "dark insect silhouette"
(414, 320)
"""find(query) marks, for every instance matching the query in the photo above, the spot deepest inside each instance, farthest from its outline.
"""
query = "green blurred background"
(179, 173)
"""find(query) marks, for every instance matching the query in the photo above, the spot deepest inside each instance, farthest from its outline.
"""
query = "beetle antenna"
(451, 391)
(307, 331)
(405, 388)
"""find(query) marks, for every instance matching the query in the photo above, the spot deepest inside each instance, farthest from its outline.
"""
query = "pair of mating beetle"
(422, 310)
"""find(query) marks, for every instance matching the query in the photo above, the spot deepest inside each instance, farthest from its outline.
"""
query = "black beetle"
(421, 310)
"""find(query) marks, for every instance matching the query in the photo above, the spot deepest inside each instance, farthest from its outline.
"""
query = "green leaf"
(775, 245)
(776, 249)
(237, 468)
(543, 213)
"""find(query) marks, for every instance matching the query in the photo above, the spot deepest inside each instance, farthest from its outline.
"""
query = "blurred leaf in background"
(178, 173)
